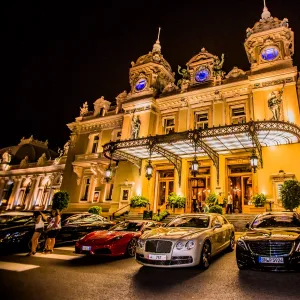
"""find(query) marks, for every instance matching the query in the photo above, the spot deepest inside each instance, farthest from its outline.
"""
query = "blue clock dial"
(270, 53)
(141, 84)
(202, 75)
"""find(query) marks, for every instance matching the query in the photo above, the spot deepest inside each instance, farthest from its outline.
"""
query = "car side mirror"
(247, 226)
(218, 225)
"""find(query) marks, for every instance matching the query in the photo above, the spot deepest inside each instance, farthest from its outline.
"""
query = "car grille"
(271, 248)
(158, 246)
(175, 260)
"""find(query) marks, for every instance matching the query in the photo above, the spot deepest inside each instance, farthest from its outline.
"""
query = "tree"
(60, 200)
(290, 194)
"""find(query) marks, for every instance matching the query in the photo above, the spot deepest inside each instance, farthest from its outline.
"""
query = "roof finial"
(266, 14)
(158, 34)
(156, 46)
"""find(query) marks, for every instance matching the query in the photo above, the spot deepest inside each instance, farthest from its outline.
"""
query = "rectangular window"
(201, 120)
(169, 125)
(95, 144)
(109, 196)
(86, 189)
(238, 115)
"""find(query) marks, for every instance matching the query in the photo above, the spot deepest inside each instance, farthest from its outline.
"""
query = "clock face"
(140, 84)
(269, 53)
(202, 75)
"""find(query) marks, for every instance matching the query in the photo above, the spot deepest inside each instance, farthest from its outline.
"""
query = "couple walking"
(53, 228)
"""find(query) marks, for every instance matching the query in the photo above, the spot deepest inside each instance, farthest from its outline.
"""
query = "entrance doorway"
(165, 187)
(240, 188)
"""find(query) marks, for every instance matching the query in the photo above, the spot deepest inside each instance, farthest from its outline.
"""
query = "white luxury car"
(188, 240)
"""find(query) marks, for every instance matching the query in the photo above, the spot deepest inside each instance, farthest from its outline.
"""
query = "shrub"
(60, 200)
(259, 200)
(97, 210)
(176, 201)
(290, 194)
(216, 209)
(139, 201)
(211, 199)
(161, 216)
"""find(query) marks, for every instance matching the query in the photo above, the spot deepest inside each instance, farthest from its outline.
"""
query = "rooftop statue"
(274, 103)
(42, 160)
(24, 162)
(66, 147)
(218, 65)
(84, 109)
(6, 157)
(185, 77)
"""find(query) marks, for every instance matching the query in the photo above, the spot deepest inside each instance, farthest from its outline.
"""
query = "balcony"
(90, 157)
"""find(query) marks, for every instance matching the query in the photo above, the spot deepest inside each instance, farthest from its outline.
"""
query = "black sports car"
(271, 242)
(17, 235)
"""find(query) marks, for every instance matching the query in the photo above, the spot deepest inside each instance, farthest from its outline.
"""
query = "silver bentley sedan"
(188, 240)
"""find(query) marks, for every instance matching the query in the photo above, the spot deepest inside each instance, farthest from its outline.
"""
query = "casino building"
(209, 132)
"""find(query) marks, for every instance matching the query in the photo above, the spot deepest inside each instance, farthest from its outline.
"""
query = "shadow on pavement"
(268, 283)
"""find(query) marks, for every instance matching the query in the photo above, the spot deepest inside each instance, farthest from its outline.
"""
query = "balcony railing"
(89, 156)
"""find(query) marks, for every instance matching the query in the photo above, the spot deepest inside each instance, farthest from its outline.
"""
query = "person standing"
(229, 203)
(53, 228)
(38, 230)
(220, 200)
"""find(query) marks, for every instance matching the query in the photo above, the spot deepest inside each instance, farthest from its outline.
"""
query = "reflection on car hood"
(279, 234)
(104, 235)
(173, 233)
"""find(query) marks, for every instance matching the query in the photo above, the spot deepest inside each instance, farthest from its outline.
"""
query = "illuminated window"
(86, 188)
(201, 120)
(169, 125)
(238, 115)
(95, 144)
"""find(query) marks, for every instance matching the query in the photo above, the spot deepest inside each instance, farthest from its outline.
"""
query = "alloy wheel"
(232, 243)
(206, 255)
(131, 247)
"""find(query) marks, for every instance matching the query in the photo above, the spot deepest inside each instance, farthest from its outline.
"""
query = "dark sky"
(57, 54)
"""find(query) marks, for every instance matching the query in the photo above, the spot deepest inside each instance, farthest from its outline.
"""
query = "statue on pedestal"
(42, 160)
(185, 77)
(84, 109)
(274, 103)
(6, 157)
(218, 65)
(24, 162)
(135, 127)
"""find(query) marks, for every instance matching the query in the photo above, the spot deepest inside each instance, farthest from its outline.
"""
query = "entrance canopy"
(228, 139)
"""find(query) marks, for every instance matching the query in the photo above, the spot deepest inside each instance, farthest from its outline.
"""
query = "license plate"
(157, 257)
(86, 248)
(270, 260)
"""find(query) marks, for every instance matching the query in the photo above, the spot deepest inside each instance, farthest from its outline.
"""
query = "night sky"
(55, 55)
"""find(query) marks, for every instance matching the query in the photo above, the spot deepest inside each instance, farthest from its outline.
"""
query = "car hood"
(103, 236)
(173, 233)
(277, 234)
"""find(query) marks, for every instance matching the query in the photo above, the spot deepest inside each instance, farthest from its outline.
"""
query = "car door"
(217, 235)
(225, 232)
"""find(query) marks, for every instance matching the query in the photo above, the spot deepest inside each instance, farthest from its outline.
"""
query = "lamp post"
(254, 161)
(108, 173)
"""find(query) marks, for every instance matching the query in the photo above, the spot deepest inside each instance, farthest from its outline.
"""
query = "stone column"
(92, 188)
(15, 192)
(30, 201)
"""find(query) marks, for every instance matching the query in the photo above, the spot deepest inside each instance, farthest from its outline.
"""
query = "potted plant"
(211, 199)
(259, 201)
(138, 203)
(97, 210)
(216, 209)
(177, 203)
(290, 194)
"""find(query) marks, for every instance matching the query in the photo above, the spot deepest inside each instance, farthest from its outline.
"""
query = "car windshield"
(280, 220)
(190, 221)
(128, 226)
(84, 219)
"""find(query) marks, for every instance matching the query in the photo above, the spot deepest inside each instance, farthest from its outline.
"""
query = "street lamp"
(195, 167)
(149, 170)
(108, 173)
(254, 161)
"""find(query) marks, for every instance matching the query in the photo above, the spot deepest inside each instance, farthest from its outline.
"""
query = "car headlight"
(190, 245)
(141, 243)
(179, 245)
(117, 238)
(298, 247)
(242, 244)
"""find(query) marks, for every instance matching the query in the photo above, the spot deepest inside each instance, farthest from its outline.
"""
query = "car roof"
(140, 221)
(198, 215)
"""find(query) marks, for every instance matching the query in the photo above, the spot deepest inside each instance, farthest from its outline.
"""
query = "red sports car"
(121, 239)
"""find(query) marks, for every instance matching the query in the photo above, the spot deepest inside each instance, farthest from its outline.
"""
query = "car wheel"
(131, 247)
(205, 256)
(230, 248)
